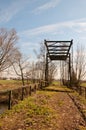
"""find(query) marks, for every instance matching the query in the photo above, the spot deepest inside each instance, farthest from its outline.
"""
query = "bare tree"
(7, 47)
(20, 66)
(52, 71)
(42, 64)
(33, 72)
(80, 64)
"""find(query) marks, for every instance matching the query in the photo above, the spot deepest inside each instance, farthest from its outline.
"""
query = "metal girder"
(58, 50)
(58, 46)
(69, 47)
(57, 41)
(58, 57)
(57, 53)
(54, 49)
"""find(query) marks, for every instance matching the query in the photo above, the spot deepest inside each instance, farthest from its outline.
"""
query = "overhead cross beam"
(71, 42)
(58, 50)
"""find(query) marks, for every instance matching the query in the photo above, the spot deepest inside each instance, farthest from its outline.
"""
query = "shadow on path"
(57, 90)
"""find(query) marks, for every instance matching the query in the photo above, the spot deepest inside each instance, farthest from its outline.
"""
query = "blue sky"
(36, 20)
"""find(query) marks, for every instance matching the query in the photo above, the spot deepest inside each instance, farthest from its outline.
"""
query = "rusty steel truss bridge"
(60, 51)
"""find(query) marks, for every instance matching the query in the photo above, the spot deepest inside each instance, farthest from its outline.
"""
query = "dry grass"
(50, 109)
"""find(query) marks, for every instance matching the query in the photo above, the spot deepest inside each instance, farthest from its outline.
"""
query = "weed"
(82, 128)
(1, 124)
(29, 121)
(60, 103)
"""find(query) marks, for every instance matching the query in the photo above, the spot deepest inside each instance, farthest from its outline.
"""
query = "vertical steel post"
(63, 72)
(9, 102)
(22, 93)
(46, 70)
(85, 93)
(70, 68)
(30, 90)
(72, 55)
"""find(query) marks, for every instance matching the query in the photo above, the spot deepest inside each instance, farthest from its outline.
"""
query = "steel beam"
(46, 70)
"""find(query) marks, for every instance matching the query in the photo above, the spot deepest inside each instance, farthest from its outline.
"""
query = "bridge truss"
(60, 51)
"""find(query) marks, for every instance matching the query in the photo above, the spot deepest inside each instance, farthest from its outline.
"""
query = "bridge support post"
(9, 102)
(70, 69)
(46, 70)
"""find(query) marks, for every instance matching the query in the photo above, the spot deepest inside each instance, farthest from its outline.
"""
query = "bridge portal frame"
(58, 50)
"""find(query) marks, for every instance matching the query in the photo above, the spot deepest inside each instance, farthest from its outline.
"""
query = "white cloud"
(76, 26)
(29, 45)
(46, 6)
(7, 13)
(80, 27)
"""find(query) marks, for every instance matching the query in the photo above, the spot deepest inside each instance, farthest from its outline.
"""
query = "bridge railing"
(12, 96)
(82, 91)
(43, 83)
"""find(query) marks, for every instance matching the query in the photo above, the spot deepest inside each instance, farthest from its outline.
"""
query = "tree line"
(11, 57)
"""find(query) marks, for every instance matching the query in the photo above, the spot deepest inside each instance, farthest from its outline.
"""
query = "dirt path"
(68, 116)
(51, 109)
